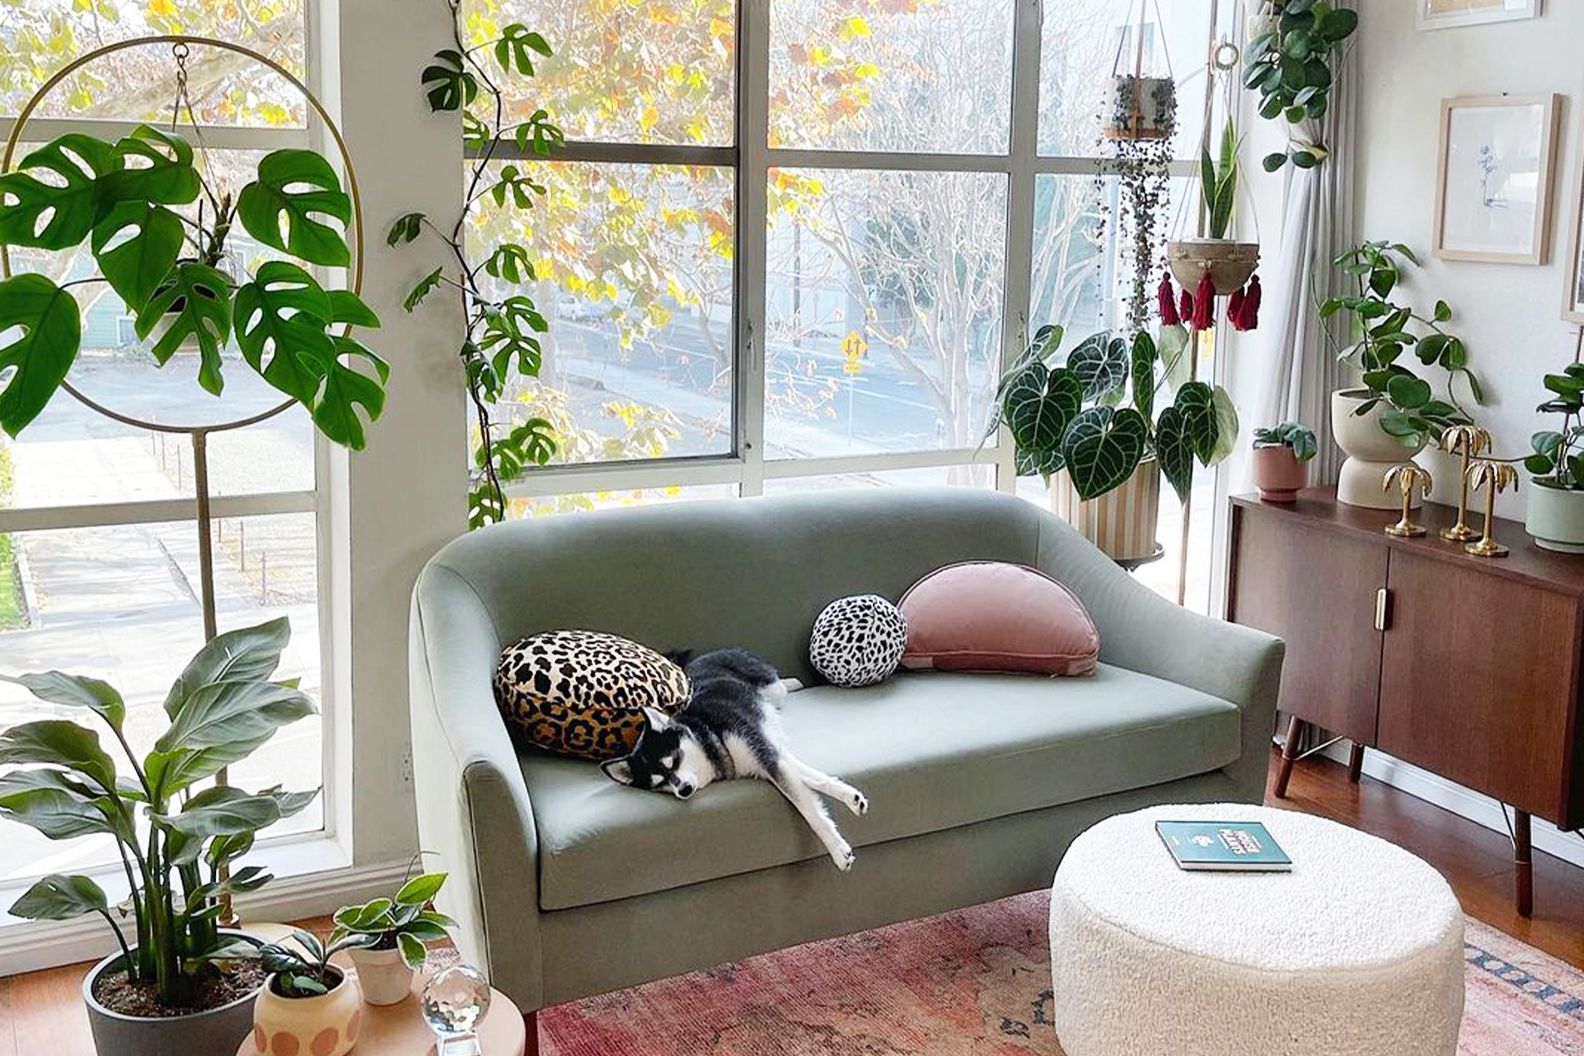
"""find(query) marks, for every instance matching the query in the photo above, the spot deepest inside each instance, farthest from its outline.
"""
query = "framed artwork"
(1447, 14)
(1493, 181)
(1573, 303)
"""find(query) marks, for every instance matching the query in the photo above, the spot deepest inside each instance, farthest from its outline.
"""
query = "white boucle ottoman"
(1356, 952)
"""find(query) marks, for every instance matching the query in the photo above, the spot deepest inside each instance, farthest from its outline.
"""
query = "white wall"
(1510, 315)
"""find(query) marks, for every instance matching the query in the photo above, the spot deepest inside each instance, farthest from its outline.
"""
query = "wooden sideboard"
(1467, 667)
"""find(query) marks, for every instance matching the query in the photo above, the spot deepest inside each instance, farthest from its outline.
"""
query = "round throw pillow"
(858, 641)
(994, 616)
(582, 693)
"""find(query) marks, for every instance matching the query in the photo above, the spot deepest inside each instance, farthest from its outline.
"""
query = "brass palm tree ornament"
(1495, 477)
(1469, 441)
(1408, 478)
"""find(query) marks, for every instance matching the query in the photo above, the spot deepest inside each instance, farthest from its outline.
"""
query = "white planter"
(1140, 107)
(1556, 518)
(383, 976)
(1121, 522)
(1371, 451)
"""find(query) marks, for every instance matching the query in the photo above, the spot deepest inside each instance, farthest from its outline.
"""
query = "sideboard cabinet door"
(1477, 679)
(1316, 589)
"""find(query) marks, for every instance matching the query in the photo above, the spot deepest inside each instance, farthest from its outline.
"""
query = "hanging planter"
(1217, 266)
(1229, 264)
(1141, 108)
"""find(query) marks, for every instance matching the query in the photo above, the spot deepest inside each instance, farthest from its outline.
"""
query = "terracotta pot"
(1229, 263)
(1371, 451)
(216, 1032)
(1555, 517)
(1121, 522)
(382, 975)
(1140, 107)
(326, 1025)
(1278, 474)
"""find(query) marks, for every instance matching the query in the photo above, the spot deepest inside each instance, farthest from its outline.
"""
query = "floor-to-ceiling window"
(98, 550)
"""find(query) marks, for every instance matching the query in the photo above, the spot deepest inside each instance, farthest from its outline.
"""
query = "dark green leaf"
(247, 654)
(221, 811)
(1272, 162)
(348, 309)
(511, 263)
(58, 897)
(1144, 356)
(427, 285)
(42, 354)
(516, 47)
(1101, 363)
(56, 742)
(282, 319)
(347, 395)
(1539, 465)
(286, 207)
(75, 691)
(162, 172)
(59, 211)
(1443, 312)
(191, 305)
(1304, 159)
(1039, 405)
(1103, 447)
(1197, 404)
(448, 83)
(406, 229)
(136, 245)
(1174, 451)
(1227, 425)
(1408, 392)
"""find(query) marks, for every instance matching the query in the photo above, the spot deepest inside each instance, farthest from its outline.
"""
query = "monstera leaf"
(1174, 450)
(281, 320)
(193, 304)
(51, 332)
(161, 170)
(1101, 363)
(57, 212)
(1038, 405)
(346, 395)
(1103, 448)
(284, 206)
(136, 244)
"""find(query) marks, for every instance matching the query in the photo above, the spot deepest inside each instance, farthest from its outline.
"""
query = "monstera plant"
(161, 232)
(1104, 411)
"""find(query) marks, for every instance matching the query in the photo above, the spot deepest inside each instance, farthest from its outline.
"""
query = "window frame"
(752, 159)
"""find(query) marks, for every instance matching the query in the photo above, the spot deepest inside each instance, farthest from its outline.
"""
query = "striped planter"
(1120, 522)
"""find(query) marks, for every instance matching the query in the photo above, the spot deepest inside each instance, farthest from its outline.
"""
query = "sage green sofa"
(565, 884)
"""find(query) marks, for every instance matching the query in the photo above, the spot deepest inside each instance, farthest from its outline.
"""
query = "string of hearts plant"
(502, 342)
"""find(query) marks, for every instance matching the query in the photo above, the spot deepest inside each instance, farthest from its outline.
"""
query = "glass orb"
(455, 999)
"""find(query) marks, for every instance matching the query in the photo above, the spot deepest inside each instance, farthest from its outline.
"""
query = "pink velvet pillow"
(992, 616)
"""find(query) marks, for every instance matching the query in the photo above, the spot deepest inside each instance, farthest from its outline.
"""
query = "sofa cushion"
(931, 751)
(997, 616)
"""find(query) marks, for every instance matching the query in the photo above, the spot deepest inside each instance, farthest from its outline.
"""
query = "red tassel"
(1168, 307)
(1235, 305)
(1251, 304)
(1204, 304)
(1185, 307)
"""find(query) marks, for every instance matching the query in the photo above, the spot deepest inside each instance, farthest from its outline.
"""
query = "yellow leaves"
(853, 27)
(274, 113)
(161, 9)
(648, 118)
(865, 71)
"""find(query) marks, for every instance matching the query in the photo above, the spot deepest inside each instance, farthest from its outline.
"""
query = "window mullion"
(753, 174)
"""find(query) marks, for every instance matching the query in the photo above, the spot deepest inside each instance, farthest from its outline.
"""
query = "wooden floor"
(42, 1012)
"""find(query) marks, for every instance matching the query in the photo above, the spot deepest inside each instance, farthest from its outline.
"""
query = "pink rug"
(974, 983)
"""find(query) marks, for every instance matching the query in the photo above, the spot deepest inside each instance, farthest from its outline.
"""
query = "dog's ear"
(657, 719)
(618, 770)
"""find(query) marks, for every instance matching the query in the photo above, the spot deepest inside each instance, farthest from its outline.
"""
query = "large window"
(98, 546)
(790, 243)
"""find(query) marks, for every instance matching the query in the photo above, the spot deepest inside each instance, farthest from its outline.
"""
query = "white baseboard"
(33, 946)
(1464, 802)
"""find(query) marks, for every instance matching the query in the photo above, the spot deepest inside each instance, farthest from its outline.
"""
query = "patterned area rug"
(975, 983)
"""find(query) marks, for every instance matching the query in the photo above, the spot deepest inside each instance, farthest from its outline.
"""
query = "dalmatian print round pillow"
(858, 641)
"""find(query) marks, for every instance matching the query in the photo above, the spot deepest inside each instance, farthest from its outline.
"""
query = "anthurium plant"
(176, 834)
(162, 235)
(1103, 410)
(1558, 459)
(1384, 331)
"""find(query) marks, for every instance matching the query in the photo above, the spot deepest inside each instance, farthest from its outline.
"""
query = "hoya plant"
(1290, 62)
(161, 232)
(1103, 410)
(405, 921)
(1384, 332)
(504, 325)
(1558, 459)
(176, 833)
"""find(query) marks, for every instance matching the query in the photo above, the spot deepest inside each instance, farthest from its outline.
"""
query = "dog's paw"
(858, 803)
(843, 857)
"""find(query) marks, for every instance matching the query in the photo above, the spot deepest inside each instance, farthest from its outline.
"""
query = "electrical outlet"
(404, 769)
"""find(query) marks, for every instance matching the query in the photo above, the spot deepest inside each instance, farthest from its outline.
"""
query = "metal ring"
(182, 40)
(1225, 55)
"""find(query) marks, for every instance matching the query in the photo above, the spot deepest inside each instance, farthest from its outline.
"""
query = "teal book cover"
(1223, 846)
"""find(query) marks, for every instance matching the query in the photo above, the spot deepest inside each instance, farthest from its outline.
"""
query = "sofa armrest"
(1143, 632)
(473, 806)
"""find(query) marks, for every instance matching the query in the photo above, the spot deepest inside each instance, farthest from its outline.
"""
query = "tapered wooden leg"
(531, 1026)
(1523, 864)
(1295, 727)
(1356, 763)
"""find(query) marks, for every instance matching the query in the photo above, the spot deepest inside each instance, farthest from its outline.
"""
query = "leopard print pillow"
(581, 693)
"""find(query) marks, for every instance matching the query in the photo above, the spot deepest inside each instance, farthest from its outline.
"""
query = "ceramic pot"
(382, 975)
(1371, 451)
(326, 1025)
(1278, 474)
(1556, 518)
(1122, 521)
(1140, 107)
(1229, 263)
(216, 1032)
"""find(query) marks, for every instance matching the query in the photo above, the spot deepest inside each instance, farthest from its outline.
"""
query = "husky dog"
(731, 728)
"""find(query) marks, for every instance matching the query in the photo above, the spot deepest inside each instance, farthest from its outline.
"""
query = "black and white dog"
(731, 728)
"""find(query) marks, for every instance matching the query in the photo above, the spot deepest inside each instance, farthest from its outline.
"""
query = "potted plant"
(176, 271)
(1555, 513)
(1281, 460)
(1090, 426)
(1288, 61)
(307, 1005)
(178, 983)
(1229, 264)
(1141, 107)
(397, 929)
(1393, 413)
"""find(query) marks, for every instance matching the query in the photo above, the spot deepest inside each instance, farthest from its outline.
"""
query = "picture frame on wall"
(1573, 300)
(1449, 14)
(1494, 178)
